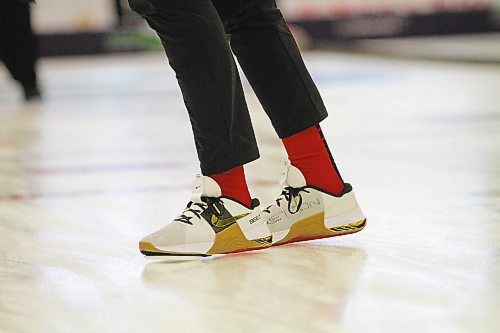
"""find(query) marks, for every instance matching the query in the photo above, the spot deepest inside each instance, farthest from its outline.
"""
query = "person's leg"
(221, 217)
(314, 202)
(197, 49)
(269, 56)
(271, 60)
(308, 151)
(18, 45)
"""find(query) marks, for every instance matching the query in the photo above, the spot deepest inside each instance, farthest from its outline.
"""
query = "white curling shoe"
(210, 224)
(304, 212)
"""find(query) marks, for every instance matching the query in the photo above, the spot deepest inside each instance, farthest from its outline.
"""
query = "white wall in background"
(59, 16)
(296, 9)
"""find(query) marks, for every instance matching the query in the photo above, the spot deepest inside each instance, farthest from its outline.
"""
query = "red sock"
(234, 185)
(308, 151)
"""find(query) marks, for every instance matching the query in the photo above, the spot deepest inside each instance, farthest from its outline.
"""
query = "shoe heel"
(349, 228)
(352, 216)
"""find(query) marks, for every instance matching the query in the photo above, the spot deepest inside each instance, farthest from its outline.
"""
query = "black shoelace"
(289, 194)
(215, 205)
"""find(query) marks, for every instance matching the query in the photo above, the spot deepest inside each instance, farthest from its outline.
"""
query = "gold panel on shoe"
(149, 249)
(314, 227)
(232, 239)
(349, 228)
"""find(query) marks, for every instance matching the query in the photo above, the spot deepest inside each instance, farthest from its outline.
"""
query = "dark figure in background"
(119, 11)
(18, 49)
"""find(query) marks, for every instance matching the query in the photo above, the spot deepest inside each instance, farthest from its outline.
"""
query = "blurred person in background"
(18, 49)
(221, 216)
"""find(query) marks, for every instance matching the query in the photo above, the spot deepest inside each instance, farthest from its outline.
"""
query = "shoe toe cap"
(177, 233)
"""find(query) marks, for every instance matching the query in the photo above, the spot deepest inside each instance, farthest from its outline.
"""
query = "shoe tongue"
(204, 186)
(292, 177)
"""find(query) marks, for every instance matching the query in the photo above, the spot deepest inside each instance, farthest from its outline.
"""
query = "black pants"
(17, 42)
(193, 33)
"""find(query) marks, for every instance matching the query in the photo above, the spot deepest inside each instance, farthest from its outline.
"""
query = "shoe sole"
(314, 228)
(230, 240)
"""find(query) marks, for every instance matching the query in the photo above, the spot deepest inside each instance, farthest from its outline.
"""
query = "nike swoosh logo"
(221, 223)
